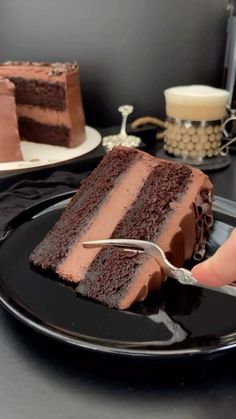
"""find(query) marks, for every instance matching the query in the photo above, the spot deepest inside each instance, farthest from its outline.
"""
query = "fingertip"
(206, 273)
(201, 272)
(220, 269)
(209, 273)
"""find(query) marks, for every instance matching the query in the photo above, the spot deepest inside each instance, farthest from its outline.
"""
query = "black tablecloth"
(27, 192)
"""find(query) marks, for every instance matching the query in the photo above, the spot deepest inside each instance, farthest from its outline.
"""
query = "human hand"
(220, 269)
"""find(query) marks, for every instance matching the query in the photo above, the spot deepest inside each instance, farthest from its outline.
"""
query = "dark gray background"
(128, 50)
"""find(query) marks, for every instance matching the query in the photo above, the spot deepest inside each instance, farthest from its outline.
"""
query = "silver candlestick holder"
(122, 138)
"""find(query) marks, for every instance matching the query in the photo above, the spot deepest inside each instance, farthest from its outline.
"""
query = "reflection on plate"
(176, 322)
(39, 155)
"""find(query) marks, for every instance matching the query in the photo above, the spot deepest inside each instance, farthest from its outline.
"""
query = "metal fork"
(182, 275)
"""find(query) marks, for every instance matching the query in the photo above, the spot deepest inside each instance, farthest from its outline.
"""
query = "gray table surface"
(43, 379)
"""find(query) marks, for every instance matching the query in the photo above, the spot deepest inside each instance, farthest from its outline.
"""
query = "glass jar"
(194, 121)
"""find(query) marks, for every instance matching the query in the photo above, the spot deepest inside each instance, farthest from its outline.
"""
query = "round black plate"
(177, 322)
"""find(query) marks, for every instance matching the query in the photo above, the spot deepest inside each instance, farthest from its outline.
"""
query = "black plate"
(177, 322)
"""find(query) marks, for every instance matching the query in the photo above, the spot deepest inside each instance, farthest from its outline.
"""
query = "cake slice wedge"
(129, 195)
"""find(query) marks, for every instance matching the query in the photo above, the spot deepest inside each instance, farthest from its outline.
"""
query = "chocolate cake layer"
(112, 271)
(40, 93)
(82, 208)
(43, 133)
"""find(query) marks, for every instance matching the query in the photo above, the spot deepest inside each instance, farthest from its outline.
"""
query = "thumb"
(220, 269)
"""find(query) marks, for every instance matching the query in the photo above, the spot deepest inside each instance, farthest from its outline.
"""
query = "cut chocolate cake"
(49, 105)
(9, 135)
(129, 195)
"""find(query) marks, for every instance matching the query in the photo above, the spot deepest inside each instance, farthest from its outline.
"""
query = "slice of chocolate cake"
(9, 135)
(49, 105)
(129, 195)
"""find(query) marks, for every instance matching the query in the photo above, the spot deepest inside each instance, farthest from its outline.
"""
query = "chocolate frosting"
(9, 135)
(54, 69)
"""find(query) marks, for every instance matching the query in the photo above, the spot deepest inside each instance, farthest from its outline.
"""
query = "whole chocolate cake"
(9, 135)
(48, 98)
(129, 195)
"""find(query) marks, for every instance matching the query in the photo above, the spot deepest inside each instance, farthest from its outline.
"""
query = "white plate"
(38, 155)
